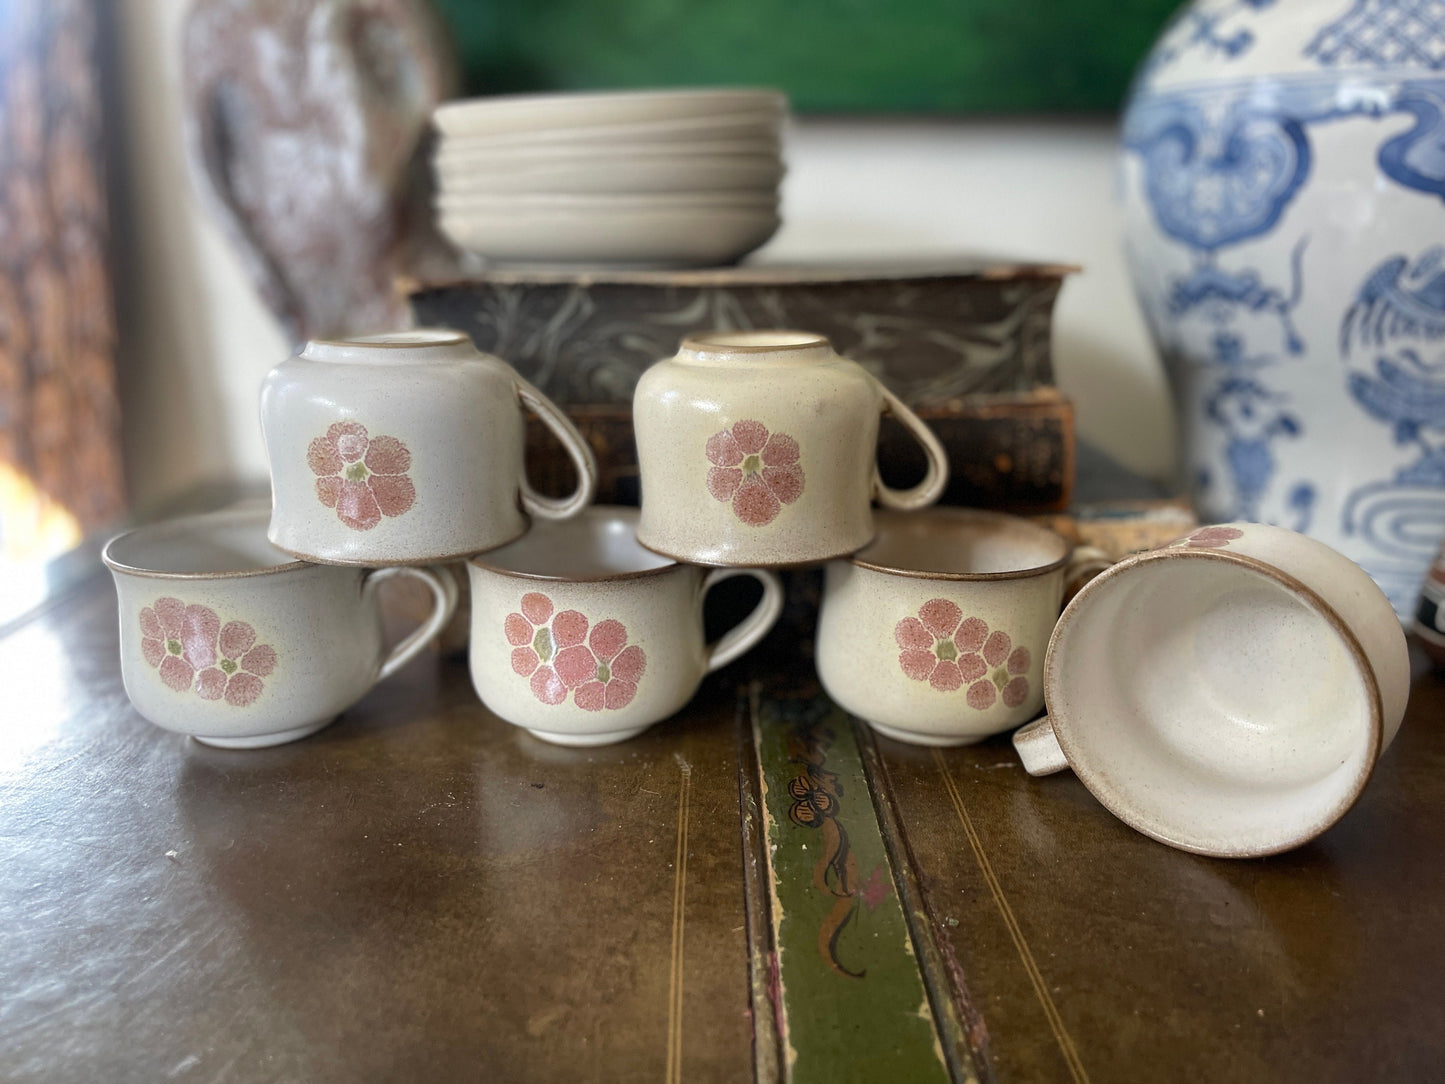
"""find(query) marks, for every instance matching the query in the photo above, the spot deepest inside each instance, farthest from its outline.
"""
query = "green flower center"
(946, 651)
(173, 646)
(604, 673)
(228, 666)
(357, 472)
(753, 464)
(1000, 677)
(542, 644)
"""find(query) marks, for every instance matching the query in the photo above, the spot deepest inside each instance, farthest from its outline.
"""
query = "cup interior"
(600, 543)
(222, 543)
(1212, 705)
(959, 543)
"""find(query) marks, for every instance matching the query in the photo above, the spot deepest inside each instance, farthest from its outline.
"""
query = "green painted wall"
(852, 56)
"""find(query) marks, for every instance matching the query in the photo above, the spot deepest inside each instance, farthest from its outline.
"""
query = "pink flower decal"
(555, 651)
(619, 666)
(193, 651)
(950, 651)
(759, 472)
(533, 649)
(363, 478)
(1210, 538)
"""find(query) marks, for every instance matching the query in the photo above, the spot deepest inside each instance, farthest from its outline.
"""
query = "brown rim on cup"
(1066, 723)
(939, 529)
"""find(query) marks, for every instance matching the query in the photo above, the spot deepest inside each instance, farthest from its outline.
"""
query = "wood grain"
(59, 415)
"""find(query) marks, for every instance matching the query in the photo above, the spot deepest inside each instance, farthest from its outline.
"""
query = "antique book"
(967, 345)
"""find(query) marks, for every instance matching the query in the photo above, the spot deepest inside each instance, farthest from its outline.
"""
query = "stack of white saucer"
(676, 178)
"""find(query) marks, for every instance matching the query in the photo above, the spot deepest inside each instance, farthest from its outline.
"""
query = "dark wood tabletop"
(756, 889)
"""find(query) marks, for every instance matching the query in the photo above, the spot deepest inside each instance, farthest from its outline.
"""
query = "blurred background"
(922, 128)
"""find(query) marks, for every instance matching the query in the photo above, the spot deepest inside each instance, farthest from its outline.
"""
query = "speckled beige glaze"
(793, 384)
(322, 622)
(1003, 570)
(457, 411)
(592, 565)
(1229, 694)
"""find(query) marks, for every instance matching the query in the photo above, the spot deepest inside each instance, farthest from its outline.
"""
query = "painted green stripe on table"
(854, 1003)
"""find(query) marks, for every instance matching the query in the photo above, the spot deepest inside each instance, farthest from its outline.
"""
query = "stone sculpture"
(304, 122)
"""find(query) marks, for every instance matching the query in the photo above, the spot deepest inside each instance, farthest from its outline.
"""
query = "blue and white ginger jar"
(1283, 176)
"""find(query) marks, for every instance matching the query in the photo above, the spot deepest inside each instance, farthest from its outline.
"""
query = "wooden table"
(754, 889)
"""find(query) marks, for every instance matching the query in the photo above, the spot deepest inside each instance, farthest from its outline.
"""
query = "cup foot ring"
(263, 741)
(607, 737)
(914, 737)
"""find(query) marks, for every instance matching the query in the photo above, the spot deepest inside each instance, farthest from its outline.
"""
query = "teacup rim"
(594, 511)
(976, 514)
(549, 577)
(1305, 594)
(176, 523)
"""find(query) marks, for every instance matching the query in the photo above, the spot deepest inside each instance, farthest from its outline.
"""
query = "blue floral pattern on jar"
(1278, 214)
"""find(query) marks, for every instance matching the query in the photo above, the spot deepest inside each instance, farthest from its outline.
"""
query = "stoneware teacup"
(583, 637)
(1228, 694)
(228, 639)
(405, 449)
(935, 632)
(760, 448)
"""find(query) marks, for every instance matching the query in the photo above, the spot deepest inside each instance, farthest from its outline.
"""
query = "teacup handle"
(934, 481)
(443, 587)
(577, 449)
(1039, 749)
(742, 636)
(1085, 562)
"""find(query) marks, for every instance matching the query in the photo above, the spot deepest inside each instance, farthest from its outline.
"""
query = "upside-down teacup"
(1228, 694)
(405, 449)
(760, 448)
(583, 637)
(228, 639)
(935, 632)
